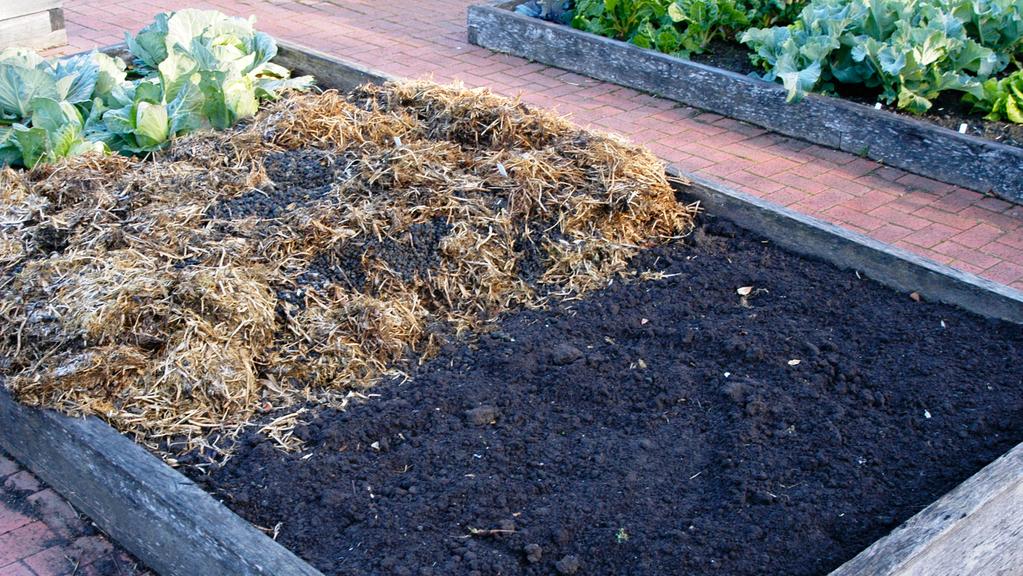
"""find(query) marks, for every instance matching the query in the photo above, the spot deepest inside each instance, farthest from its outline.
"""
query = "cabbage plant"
(193, 69)
(910, 50)
(44, 105)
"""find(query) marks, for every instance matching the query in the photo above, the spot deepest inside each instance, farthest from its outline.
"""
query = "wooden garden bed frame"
(177, 529)
(37, 24)
(896, 140)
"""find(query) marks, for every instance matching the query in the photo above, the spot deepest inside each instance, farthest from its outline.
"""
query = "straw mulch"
(308, 253)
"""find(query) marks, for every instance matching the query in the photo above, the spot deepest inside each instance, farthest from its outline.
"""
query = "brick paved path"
(42, 535)
(427, 39)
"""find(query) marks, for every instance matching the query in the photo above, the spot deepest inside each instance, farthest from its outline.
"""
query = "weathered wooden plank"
(39, 30)
(160, 516)
(884, 263)
(977, 528)
(163, 518)
(330, 72)
(900, 141)
(13, 8)
(177, 529)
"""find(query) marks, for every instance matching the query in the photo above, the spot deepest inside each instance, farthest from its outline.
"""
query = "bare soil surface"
(656, 428)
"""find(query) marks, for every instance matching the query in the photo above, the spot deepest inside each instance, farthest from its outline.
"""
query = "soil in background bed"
(653, 429)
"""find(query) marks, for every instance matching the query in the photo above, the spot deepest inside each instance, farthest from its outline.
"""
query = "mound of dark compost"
(653, 429)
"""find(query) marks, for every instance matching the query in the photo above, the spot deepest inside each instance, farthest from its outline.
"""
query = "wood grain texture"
(891, 266)
(157, 514)
(899, 141)
(38, 30)
(976, 529)
(330, 72)
(12, 8)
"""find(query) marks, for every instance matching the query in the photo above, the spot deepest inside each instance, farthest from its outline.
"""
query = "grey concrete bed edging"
(177, 529)
(157, 514)
(913, 145)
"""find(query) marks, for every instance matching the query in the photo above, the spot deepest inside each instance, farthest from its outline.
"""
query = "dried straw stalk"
(306, 254)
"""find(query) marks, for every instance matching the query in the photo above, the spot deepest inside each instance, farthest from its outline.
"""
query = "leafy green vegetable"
(56, 132)
(76, 78)
(143, 121)
(224, 56)
(149, 46)
(910, 51)
(619, 19)
(21, 81)
(198, 68)
(677, 27)
(1002, 100)
(704, 20)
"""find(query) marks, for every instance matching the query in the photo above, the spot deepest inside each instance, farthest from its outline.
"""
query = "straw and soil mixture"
(332, 241)
(659, 428)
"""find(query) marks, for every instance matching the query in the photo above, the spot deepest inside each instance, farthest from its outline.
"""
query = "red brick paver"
(416, 39)
(42, 535)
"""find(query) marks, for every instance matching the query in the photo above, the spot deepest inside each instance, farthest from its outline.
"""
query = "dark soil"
(415, 252)
(726, 55)
(297, 178)
(653, 429)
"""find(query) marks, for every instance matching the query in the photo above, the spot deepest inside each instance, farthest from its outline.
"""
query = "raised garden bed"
(949, 111)
(894, 139)
(506, 403)
(654, 429)
(32, 23)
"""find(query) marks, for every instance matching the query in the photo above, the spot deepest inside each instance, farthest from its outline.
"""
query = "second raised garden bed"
(896, 140)
(752, 409)
(32, 23)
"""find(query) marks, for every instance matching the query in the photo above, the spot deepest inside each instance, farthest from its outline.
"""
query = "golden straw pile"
(308, 253)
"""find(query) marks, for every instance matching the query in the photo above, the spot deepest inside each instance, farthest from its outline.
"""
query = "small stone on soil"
(533, 553)
(567, 565)
(482, 415)
(564, 354)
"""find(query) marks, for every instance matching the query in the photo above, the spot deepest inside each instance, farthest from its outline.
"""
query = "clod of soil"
(685, 439)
